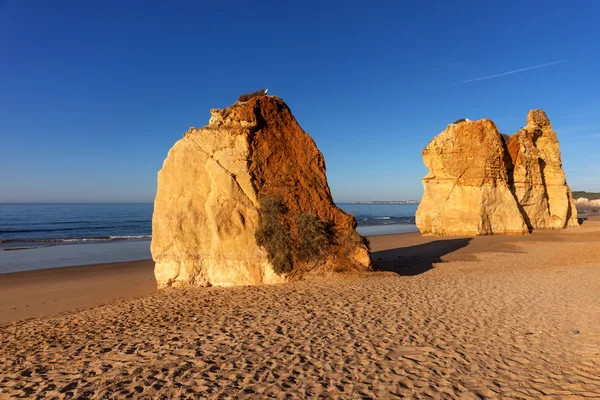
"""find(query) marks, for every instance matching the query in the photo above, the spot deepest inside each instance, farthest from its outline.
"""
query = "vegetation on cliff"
(248, 96)
(303, 239)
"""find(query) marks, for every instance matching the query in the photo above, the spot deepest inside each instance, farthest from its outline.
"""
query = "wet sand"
(486, 317)
(39, 293)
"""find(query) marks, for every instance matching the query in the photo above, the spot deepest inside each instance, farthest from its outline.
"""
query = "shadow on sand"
(415, 260)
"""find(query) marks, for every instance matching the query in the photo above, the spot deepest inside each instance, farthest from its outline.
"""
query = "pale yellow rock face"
(466, 191)
(539, 182)
(206, 214)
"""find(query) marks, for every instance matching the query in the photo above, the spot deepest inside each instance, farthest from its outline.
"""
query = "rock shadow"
(415, 260)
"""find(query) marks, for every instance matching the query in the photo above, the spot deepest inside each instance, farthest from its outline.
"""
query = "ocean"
(382, 219)
(37, 236)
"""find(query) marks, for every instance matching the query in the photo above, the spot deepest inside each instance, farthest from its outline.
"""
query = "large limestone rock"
(210, 189)
(466, 189)
(537, 177)
(480, 183)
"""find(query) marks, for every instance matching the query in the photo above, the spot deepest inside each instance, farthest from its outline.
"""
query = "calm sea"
(382, 219)
(41, 224)
(35, 236)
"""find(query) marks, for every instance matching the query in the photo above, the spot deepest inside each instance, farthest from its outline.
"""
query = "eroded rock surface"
(466, 189)
(480, 183)
(210, 189)
(538, 180)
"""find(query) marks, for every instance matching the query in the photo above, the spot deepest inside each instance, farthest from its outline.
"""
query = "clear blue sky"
(94, 93)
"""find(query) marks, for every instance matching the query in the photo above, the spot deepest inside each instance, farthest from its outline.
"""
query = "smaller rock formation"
(481, 182)
(466, 189)
(245, 200)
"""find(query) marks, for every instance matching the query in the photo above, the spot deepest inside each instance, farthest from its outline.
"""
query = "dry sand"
(486, 317)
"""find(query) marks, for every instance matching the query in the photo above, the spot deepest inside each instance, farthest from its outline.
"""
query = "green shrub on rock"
(303, 238)
(273, 236)
(314, 235)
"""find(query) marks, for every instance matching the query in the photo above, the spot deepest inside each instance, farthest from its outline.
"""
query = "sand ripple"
(518, 321)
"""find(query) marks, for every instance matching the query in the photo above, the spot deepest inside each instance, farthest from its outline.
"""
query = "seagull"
(266, 91)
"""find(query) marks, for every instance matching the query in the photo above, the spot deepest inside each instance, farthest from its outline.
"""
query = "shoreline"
(21, 257)
(71, 255)
(50, 291)
(52, 256)
(100, 264)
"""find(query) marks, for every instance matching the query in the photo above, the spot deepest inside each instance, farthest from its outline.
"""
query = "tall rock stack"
(540, 184)
(466, 189)
(526, 178)
(528, 165)
(252, 175)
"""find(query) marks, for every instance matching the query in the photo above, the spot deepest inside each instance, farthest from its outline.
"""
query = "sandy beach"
(485, 317)
(32, 294)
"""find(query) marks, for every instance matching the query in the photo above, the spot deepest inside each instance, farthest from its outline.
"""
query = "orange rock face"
(287, 164)
(210, 191)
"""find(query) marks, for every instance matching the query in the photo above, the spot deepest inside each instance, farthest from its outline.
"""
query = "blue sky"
(94, 93)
